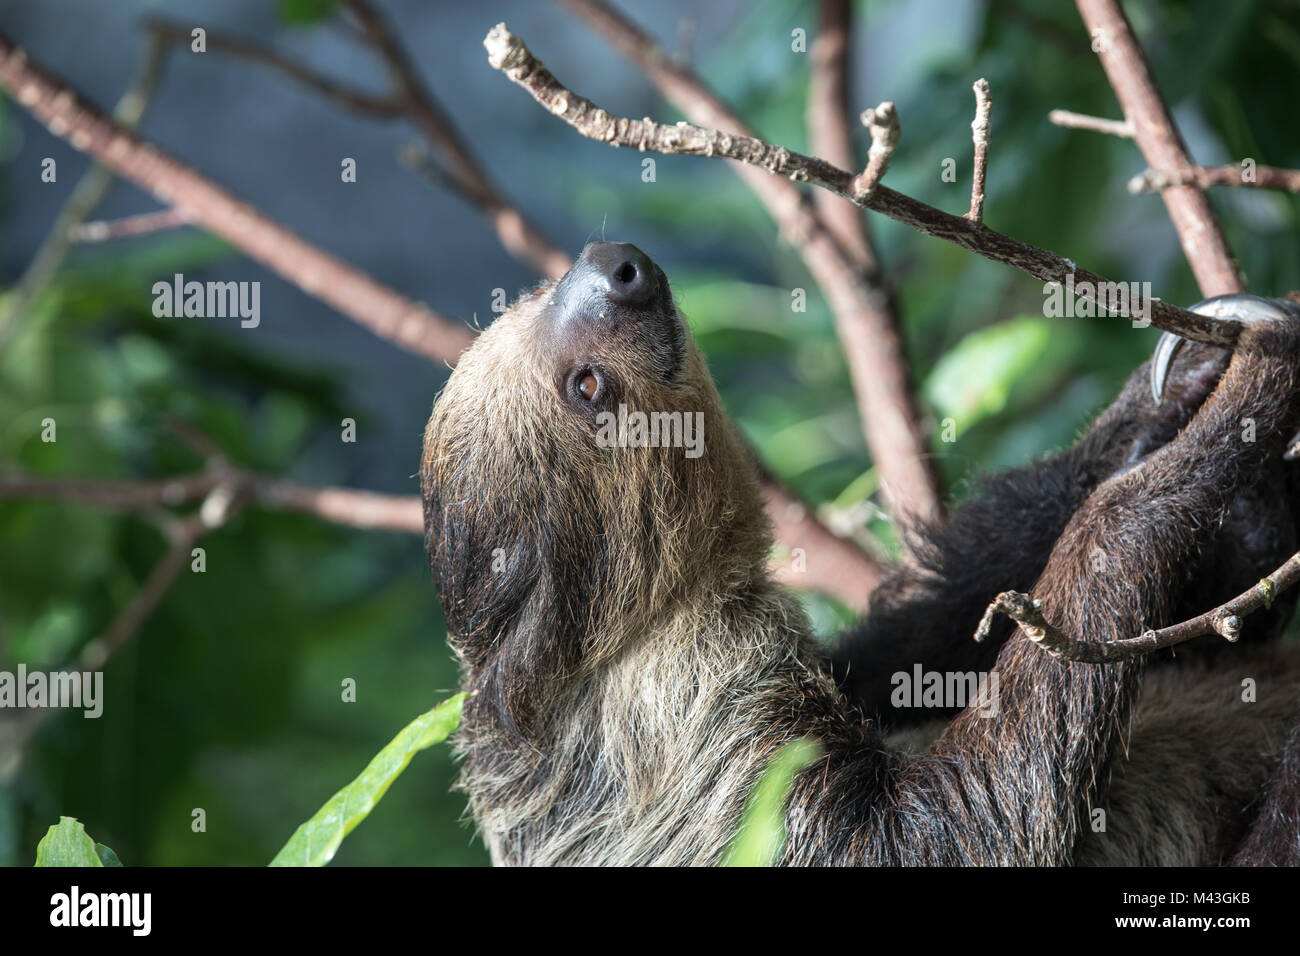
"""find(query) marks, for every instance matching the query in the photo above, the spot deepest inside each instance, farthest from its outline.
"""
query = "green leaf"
(106, 855)
(761, 835)
(305, 11)
(975, 379)
(67, 844)
(316, 841)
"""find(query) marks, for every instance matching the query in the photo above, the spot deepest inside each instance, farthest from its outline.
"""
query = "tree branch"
(883, 124)
(1202, 177)
(830, 564)
(510, 55)
(366, 510)
(219, 505)
(1120, 128)
(380, 105)
(1157, 137)
(830, 131)
(129, 226)
(980, 136)
(409, 324)
(1224, 620)
(408, 99)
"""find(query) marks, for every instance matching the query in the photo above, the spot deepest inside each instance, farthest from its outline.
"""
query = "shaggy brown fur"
(634, 668)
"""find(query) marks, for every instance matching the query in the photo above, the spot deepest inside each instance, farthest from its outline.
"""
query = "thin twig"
(346, 506)
(1224, 620)
(1194, 219)
(381, 105)
(517, 234)
(980, 135)
(411, 99)
(882, 123)
(129, 227)
(855, 291)
(1231, 174)
(1096, 124)
(512, 57)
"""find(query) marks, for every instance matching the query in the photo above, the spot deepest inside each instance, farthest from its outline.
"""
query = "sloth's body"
(634, 668)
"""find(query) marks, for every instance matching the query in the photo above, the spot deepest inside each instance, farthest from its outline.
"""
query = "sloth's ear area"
(516, 591)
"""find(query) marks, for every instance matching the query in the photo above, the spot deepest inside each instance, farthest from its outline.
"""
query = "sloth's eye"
(588, 388)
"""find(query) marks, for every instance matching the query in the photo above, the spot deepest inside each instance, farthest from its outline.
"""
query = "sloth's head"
(580, 482)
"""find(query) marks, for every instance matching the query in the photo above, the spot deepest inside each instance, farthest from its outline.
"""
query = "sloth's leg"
(998, 539)
(1014, 787)
(1274, 837)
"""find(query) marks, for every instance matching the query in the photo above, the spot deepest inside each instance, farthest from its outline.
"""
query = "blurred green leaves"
(975, 378)
(305, 12)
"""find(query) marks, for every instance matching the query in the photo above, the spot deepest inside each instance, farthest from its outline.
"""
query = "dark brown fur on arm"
(1015, 788)
(1274, 837)
(1000, 538)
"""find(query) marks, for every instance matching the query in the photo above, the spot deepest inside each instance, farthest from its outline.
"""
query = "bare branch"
(380, 105)
(1202, 177)
(1120, 128)
(830, 133)
(367, 510)
(129, 227)
(834, 565)
(1158, 138)
(409, 99)
(510, 55)
(133, 616)
(882, 122)
(1224, 620)
(409, 324)
(830, 564)
(980, 135)
(516, 233)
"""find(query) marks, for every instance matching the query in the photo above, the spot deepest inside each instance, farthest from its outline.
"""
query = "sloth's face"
(579, 473)
(609, 323)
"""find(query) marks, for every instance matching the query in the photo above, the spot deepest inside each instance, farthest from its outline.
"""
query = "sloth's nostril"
(626, 273)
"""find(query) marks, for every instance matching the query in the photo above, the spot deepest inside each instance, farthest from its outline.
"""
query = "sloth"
(633, 668)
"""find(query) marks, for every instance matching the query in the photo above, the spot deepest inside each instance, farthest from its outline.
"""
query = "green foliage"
(975, 379)
(67, 844)
(761, 834)
(316, 841)
(306, 12)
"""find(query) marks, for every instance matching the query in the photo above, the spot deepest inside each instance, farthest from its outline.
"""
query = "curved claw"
(1238, 307)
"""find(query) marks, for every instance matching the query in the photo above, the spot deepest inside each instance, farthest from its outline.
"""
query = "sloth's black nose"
(617, 272)
(627, 272)
(616, 297)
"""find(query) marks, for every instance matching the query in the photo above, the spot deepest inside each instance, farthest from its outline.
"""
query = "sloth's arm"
(1274, 837)
(1013, 788)
(999, 539)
